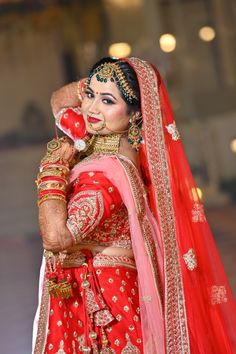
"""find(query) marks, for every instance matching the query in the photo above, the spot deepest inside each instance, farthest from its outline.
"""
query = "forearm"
(66, 96)
(52, 222)
(52, 184)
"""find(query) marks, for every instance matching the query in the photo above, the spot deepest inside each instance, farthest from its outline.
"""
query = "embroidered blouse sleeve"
(93, 200)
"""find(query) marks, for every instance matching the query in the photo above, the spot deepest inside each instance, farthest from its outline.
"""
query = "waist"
(79, 258)
(107, 250)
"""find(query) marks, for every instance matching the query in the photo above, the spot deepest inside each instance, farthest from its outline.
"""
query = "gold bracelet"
(44, 186)
(58, 166)
(51, 197)
(50, 159)
(52, 172)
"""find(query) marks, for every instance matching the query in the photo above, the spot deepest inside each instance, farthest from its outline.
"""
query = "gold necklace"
(109, 143)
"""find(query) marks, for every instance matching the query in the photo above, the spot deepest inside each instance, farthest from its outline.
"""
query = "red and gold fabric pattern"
(117, 316)
(92, 200)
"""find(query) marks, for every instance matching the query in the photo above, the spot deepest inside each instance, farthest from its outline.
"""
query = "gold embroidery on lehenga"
(198, 213)
(173, 131)
(130, 348)
(114, 231)
(103, 317)
(42, 323)
(218, 294)
(84, 214)
(177, 338)
(190, 259)
(61, 348)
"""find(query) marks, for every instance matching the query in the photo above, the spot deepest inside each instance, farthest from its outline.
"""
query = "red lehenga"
(185, 302)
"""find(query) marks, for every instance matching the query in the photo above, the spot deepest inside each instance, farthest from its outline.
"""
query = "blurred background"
(47, 43)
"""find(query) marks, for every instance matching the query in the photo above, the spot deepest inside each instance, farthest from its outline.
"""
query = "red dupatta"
(198, 306)
(199, 309)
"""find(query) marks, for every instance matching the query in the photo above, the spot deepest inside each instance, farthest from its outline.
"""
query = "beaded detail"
(114, 231)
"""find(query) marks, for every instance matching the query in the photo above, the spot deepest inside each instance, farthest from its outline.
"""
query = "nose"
(94, 107)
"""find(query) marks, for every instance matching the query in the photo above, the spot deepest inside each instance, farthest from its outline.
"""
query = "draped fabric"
(199, 309)
(186, 304)
(146, 243)
(148, 255)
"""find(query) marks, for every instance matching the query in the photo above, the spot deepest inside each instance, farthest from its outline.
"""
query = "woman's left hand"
(65, 151)
(53, 211)
(52, 222)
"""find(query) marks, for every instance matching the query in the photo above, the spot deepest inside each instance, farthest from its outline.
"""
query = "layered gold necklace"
(109, 143)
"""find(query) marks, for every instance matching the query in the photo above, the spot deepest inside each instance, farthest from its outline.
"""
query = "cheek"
(85, 105)
(114, 113)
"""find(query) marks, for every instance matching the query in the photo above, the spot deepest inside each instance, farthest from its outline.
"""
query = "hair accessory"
(112, 72)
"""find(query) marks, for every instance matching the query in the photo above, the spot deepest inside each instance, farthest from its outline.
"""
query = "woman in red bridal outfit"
(130, 265)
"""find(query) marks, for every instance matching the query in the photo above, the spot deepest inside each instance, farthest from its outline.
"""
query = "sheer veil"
(199, 309)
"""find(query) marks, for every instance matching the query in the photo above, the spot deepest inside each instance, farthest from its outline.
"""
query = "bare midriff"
(106, 250)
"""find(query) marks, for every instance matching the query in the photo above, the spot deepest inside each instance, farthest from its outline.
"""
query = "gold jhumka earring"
(134, 132)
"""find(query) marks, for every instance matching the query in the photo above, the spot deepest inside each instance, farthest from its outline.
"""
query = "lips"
(93, 120)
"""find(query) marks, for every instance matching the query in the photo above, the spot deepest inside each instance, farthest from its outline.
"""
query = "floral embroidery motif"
(130, 348)
(61, 350)
(147, 298)
(117, 342)
(118, 317)
(81, 341)
(103, 317)
(198, 213)
(190, 259)
(91, 302)
(218, 294)
(114, 231)
(173, 131)
(114, 298)
(85, 211)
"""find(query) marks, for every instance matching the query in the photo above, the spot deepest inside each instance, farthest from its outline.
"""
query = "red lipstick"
(93, 120)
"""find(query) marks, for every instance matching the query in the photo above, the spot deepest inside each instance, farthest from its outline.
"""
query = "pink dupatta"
(124, 175)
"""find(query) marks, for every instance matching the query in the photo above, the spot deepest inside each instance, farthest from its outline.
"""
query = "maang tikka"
(112, 72)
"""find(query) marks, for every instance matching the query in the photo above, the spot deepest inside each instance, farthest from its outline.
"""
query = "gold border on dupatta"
(177, 337)
(138, 191)
(42, 322)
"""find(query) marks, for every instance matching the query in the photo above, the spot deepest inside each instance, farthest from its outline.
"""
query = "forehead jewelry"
(112, 72)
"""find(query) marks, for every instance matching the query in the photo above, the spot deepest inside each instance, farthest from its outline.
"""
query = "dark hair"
(130, 76)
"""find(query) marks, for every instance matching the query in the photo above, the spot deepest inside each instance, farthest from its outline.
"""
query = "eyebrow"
(103, 93)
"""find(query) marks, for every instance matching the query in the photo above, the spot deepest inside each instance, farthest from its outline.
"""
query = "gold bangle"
(58, 166)
(48, 159)
(49, 186)
(52, 172)
(54, 184)
(51, 197)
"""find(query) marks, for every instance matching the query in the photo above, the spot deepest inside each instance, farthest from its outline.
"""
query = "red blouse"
(96, 213)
